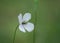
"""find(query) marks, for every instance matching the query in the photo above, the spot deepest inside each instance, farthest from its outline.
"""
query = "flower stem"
(15, 33)
(34, 36)
(35, 12)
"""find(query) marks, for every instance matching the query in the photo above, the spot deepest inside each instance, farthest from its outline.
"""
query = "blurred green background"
(48, 21)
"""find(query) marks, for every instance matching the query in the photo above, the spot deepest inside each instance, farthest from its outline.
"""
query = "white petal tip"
(22, 28)
(27, 17)
(29, 27)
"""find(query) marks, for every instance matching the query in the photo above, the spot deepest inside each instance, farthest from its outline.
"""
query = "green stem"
(15, 33)
(35, 12)
(34, 34)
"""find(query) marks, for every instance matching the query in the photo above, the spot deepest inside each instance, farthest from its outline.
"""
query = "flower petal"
(26, 17)
(20, 18)
(21, 28)
(29, 27)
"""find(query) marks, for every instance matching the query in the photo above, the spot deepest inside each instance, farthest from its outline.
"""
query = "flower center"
(23, 23)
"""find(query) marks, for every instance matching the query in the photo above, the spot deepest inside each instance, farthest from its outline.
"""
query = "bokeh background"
(48, 21)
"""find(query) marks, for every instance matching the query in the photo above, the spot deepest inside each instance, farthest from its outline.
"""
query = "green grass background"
(48, 21)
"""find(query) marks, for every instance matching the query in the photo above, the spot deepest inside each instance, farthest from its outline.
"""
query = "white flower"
(24, 24)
